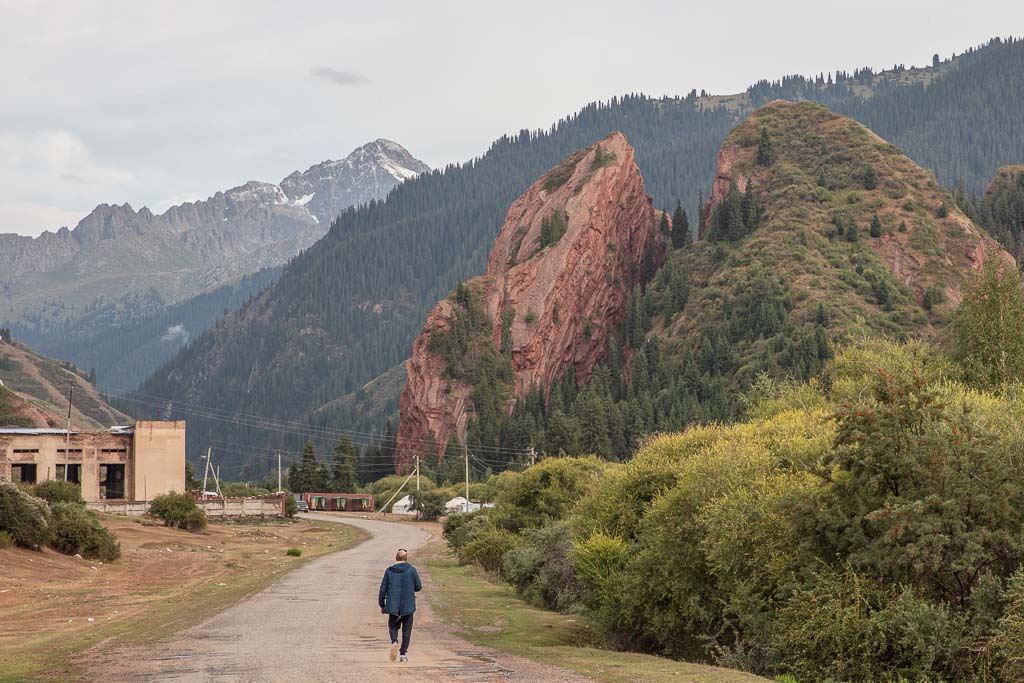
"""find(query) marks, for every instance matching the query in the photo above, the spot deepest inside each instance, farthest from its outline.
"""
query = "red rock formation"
(564, 300)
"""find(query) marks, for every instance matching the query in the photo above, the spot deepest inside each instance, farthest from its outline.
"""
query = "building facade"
(135, 463)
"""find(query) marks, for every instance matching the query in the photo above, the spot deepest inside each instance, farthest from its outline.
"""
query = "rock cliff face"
(556, 287)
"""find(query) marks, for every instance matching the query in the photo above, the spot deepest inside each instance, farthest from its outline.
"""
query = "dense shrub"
(429, 505)
(1009, 636)
(461, 529)
(294, 552)
(77, 530)
(599, 562)
(54, 492)
(866, 526)
(487, 549)
(178, 510)
(546, 491)
(26, 518)
(291, 508)
(847, 627)
(6, 540)
(540, 568)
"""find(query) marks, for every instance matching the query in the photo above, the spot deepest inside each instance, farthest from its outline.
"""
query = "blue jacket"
(398, 589)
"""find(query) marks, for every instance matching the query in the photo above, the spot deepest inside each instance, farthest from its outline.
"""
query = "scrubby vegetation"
(77, 530)
(55, 491)
(25, 518)
(178, 510)
(53, 514)
(864, 529)
(866, 524)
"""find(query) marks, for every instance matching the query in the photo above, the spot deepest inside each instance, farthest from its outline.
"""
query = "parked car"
(302, 506)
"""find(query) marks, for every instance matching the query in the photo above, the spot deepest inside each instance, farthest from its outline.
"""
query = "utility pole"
(533, 456)
(419, 504)
(279, 471)
(206, 471)
(465, 451)
(216, 479)
(67, 442)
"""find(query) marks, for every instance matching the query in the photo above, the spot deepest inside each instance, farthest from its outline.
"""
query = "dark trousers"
(394, 621)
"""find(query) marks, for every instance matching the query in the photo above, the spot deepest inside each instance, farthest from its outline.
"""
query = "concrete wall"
(159, 459)
(91, 451)
(153, 459)
(269, 506)
(129, 508)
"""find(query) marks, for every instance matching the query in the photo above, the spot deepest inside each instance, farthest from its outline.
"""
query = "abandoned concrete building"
(133, 463)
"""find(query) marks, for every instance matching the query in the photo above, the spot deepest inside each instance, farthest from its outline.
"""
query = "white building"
(402, 506)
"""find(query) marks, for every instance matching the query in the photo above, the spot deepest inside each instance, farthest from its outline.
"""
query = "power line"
(284, 426)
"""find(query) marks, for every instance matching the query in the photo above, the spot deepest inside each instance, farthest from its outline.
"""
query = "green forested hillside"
(836, 236)
(124, 341)
(348, 308)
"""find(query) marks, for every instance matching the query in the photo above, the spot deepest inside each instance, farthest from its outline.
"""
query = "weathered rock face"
(555, 300)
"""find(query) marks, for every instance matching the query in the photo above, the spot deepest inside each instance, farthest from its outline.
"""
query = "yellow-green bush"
(757, 533)
(488, 548)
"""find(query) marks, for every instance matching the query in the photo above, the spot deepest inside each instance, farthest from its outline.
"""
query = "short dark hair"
(401, 555)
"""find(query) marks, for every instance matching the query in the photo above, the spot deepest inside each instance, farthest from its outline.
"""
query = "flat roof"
(33, 431)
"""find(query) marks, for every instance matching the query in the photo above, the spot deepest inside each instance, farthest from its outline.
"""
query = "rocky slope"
(192, 247)
(34, 392)
(849, 237)
(555, 291)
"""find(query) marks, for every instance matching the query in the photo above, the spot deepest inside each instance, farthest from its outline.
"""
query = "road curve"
(321, 622)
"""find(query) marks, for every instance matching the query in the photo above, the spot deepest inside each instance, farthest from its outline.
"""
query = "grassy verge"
(490, 615)
(56, 612)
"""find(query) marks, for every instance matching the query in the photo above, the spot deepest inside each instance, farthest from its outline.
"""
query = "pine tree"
(680, 228)
(663, 225)
(876, 226)
(765, 148)
(343, 466)
(302, 476)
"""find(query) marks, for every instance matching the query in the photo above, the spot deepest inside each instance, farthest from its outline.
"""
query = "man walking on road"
(397, 599)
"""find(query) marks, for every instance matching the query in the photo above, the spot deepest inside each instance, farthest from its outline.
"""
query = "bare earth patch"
(53, 607)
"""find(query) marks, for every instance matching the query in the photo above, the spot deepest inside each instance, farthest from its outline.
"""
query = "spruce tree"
(876, 226)
(343, 466)
(765, 148)
(680, 228)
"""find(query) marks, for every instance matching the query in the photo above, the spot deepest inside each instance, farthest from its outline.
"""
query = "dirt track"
(321, 622)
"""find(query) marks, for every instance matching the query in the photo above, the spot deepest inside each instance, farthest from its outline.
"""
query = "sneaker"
(403, 658)
(394, 652)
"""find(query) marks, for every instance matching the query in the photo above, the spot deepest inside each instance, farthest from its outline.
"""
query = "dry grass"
(53, 608)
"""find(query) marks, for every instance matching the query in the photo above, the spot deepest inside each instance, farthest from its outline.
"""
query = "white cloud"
(176, 333)
(42, 166)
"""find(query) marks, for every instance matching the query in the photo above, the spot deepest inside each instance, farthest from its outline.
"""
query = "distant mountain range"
(120, 267)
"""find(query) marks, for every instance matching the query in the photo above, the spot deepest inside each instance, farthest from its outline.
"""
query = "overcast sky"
(155, 103)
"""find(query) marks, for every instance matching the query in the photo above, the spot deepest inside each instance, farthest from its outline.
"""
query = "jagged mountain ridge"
(195, 246)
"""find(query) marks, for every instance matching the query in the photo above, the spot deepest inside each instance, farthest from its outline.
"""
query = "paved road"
(321, 622)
